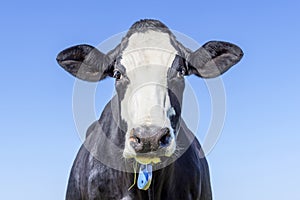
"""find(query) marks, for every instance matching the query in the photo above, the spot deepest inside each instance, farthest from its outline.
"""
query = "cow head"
(149, 66)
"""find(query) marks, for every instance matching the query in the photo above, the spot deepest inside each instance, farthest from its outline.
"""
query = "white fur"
(147, 59)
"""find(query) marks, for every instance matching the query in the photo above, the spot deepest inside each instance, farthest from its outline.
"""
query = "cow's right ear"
(84, 62)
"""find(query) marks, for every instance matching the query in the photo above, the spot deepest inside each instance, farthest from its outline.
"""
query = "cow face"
(146, 106)
(149, 68)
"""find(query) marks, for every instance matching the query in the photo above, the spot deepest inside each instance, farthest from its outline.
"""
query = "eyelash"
(117, 74)
(181, 72)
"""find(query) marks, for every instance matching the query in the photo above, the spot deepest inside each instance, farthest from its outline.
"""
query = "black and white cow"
(141, 127)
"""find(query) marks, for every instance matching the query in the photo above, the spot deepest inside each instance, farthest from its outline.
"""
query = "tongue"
(145, 177)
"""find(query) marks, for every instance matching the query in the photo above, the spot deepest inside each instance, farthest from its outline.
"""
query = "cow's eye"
(117, 74)
(181, 72)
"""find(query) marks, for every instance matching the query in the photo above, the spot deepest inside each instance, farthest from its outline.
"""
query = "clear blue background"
(258, 154)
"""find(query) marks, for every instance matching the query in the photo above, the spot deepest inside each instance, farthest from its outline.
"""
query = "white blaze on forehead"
(148, 48)
(147, 59)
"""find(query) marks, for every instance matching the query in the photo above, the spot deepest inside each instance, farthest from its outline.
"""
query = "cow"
(141, 148)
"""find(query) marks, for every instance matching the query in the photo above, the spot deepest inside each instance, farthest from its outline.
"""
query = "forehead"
(146, 49)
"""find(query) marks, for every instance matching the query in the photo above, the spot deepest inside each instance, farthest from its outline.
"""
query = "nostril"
(165, 130)
(135, 139)
(138, 140)
(166, 138)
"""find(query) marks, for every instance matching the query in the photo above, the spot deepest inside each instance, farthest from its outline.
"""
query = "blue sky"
(257, 155)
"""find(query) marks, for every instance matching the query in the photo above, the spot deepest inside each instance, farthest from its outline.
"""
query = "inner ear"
(84, 62)
(214, 58)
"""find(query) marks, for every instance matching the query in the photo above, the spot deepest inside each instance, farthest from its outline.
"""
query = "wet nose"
(146, 139)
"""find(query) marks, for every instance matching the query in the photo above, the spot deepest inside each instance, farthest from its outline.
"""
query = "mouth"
(150, 157)
(148, 160)
(145, 158)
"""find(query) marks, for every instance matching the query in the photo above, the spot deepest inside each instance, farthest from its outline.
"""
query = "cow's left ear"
(213, 59)
(84, 62)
